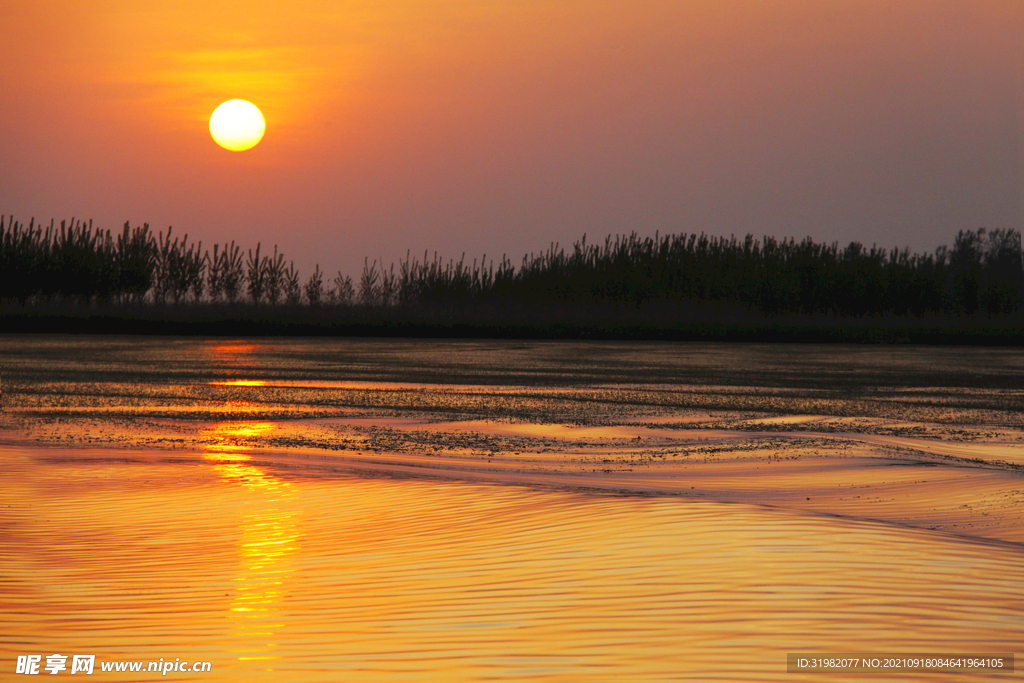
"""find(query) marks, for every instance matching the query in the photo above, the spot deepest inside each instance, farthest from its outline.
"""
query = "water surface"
(307, 511)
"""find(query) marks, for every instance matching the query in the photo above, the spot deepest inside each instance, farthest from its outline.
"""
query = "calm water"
(287, 574)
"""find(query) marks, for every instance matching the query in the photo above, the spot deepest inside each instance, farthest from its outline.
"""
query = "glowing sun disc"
(237, 125)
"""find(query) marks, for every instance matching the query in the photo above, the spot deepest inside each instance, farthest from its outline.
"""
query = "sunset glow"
(538, 341)
(500, 127)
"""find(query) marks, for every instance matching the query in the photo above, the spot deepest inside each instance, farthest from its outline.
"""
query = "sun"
(237, 125)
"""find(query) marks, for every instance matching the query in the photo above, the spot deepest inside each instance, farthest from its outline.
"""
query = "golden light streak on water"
(270, 533)
(230, 349)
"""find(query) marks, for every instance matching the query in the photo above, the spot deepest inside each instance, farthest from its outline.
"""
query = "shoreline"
(858, 476)
(519, 323)
(923, 436)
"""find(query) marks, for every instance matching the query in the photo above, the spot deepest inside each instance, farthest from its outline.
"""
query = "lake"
(381, 510)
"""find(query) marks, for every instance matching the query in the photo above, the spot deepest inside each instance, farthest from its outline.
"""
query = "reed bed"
(981, 274)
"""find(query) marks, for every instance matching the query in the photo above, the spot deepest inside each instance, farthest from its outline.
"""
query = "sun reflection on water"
(230, 348)
(269, 538)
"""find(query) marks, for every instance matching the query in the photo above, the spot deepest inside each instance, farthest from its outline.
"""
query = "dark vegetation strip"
(672, 286)
(186, 321)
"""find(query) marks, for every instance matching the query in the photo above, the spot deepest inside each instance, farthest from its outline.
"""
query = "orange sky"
(499, 126)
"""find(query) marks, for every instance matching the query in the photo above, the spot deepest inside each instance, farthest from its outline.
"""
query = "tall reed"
(982, 273)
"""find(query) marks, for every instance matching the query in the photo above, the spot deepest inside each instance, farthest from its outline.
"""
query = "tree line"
(981, 273)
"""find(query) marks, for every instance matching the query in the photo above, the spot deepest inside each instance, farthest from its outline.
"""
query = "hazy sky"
(499, 126)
